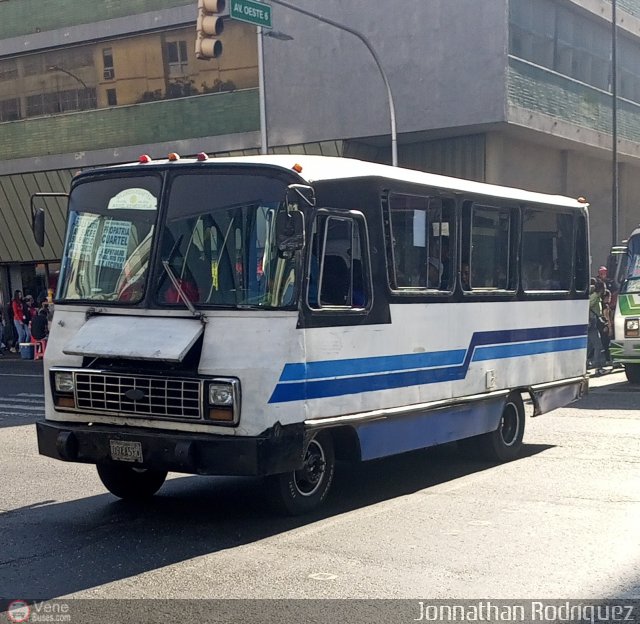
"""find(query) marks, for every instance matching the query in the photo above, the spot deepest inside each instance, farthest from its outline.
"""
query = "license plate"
(126, 451)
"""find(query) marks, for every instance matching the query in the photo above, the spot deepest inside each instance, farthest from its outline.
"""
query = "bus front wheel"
(130, 483)
(301, 491)
(504, 444)
(632, 371)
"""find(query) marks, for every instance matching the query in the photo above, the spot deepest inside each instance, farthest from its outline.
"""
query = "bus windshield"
(109, 234)
(632, 283)
(219, 243)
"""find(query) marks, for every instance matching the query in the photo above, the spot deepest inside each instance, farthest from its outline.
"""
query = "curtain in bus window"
(546, 250)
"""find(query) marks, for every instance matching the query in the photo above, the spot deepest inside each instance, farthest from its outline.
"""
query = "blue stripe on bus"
(529, 348)
(363, 366)
(300, 381)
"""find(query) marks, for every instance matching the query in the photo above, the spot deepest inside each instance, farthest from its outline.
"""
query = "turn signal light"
(63, 401)
(221, 414)
(297, 168)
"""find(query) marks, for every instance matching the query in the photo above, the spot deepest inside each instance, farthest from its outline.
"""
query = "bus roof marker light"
(173, 157)
(144, 159)
(582, 200)
(297, 168)
(202, 157)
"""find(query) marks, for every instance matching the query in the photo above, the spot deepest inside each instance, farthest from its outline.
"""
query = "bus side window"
(488, 252)
(547, 238)
(337, 269)
(419, 231)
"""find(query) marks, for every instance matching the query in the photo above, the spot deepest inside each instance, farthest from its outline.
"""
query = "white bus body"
(329, 342)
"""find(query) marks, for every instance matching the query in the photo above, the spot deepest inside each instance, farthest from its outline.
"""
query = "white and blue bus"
(271, 315)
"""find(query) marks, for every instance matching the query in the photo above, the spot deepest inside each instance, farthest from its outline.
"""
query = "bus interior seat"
(336, 281)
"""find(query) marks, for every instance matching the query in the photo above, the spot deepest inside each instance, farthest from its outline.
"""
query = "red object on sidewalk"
(39, 347)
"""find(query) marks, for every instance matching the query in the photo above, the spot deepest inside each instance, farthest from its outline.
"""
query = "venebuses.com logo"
(18, 611)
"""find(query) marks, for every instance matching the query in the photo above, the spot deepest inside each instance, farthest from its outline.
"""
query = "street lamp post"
(274, 34)
(392, 111)
(52, 68)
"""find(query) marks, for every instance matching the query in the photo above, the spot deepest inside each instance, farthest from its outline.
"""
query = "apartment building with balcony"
(514, 92)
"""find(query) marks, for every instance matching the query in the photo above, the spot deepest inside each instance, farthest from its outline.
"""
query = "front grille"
(148, 396)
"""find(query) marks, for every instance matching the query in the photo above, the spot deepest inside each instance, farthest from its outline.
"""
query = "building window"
(10, 109)
(8, 70)
(560, 39)
(61, 101)
(112, 99)
(177, 58)
(109, 72)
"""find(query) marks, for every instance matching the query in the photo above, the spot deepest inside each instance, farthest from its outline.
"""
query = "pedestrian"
(606, 327)
(9, 332)
(40, 325)
(20, 318)
(603, 277)
(595, 348)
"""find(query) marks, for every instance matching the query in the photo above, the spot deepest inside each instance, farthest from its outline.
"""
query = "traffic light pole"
(392, 110)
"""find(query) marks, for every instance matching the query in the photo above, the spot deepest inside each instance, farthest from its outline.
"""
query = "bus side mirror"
(290, 231)
(37, 225)
(37, 216)
(297, 192)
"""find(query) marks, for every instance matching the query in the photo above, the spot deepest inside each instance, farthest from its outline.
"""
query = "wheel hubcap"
(309, 478)
(510, 424)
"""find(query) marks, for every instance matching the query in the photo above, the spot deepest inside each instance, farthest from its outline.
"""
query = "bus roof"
(318, 168)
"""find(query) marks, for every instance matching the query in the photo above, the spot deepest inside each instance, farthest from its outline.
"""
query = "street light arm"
(64, 71)
(392, 110)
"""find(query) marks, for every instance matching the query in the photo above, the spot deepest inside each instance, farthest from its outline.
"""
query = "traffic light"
(208, 28)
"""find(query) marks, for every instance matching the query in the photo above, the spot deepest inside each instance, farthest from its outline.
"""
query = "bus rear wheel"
(303, 490)
(130, 483)
(632, 371)
(504, 444)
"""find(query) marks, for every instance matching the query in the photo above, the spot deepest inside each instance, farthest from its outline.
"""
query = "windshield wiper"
(185, 299)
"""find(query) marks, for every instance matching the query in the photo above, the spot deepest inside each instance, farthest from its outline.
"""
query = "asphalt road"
(560, 522)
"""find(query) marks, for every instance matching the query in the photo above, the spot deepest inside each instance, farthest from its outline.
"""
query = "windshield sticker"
(112, 253)
(133, 199)
(83, 237)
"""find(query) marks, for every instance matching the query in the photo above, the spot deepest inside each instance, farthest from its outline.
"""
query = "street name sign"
(252, 12)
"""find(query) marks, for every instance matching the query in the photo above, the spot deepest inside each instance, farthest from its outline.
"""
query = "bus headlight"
(64, 382)
(63, 386)
(223, 398)
(632, 328)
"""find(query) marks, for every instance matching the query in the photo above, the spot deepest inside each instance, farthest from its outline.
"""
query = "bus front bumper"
(278, 450)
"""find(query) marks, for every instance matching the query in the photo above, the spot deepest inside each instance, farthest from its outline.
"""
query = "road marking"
(19, 375)
(15, 399)
(17, 409)
(26, 394)
(322, 576)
